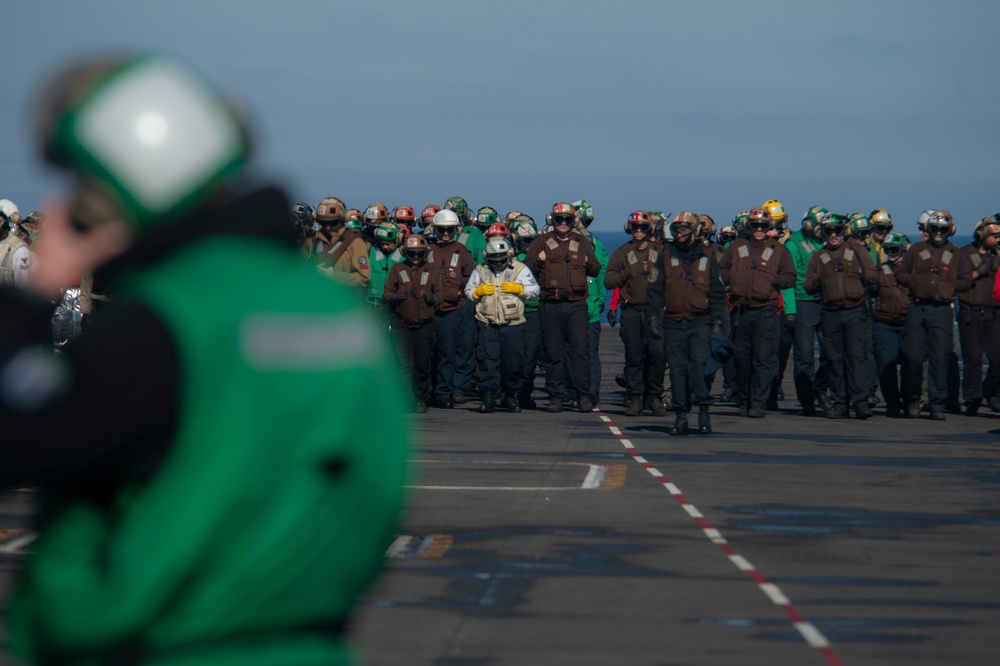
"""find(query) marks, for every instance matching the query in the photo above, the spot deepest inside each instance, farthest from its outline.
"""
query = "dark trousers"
(465, 350)
(415, 346)
(979, 334)
(687, 346)
(755, 343)
(887, 343)
(786, 335)
(809, 379)
(845, 344)
(450, 328)
(872, 367)
(532, 348)
(928, 337)
(564, 330)
(643, 356)
(593, 352)
(500, 350)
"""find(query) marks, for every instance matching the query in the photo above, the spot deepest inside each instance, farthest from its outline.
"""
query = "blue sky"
(710, 106)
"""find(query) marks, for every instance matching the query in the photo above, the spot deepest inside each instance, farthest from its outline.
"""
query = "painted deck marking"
(598, 477)
(812, 636)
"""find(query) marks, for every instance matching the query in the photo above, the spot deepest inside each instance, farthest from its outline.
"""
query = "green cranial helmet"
(355, 219)
(388, 232)
(147, 134)
(832, 219)
(457, 204)
(861, 226)
(811, 221)
(896, 239)
(740, 221)
(486, 217)
(584, 212)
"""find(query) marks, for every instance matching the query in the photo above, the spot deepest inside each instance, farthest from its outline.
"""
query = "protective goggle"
(892, 250)
(883, 227)
(759, 226)
(934, 229)
(562, 219)
(862, 233)
(446, 230)
(644, 227)
(684, 229)
(415, 253)
(727, 238)
(833, 230)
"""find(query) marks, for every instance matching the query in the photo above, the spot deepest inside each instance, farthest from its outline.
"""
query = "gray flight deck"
(539, 538)
(571, 538)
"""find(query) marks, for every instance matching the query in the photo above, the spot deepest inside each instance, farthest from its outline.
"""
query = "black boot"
(704, 420)
(680, 424)
(489, 402)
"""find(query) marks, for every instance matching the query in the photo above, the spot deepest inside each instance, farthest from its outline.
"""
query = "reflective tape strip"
(306, 342)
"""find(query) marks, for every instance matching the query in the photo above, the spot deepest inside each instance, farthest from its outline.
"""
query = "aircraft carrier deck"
(570, 538)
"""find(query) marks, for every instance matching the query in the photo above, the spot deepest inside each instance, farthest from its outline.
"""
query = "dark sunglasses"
(833, 231)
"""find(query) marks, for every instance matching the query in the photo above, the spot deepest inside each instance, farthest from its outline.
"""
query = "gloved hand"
(994, 263)
(430, 298)
(401, 295)
(485, 289)
(613, 318)
(511, 288)
(790, 320)
(654, 328)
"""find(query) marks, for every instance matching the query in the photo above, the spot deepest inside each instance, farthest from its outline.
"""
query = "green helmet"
(584, 212)
(388, 232)
(486, 216)
(457, 204)
(524, 232)
(832, 219)
(151, 139)
(355, 220)
(896, 239)
(861, 226)
(811, 221)
(524, 218)
(740, 221)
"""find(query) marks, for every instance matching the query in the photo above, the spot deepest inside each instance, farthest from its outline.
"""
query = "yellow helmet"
(777, 211)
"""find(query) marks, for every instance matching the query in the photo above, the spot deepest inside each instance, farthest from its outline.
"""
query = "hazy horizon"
(712, 107)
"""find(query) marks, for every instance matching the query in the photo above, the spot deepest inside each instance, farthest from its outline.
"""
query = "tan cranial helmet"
(331, 210)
